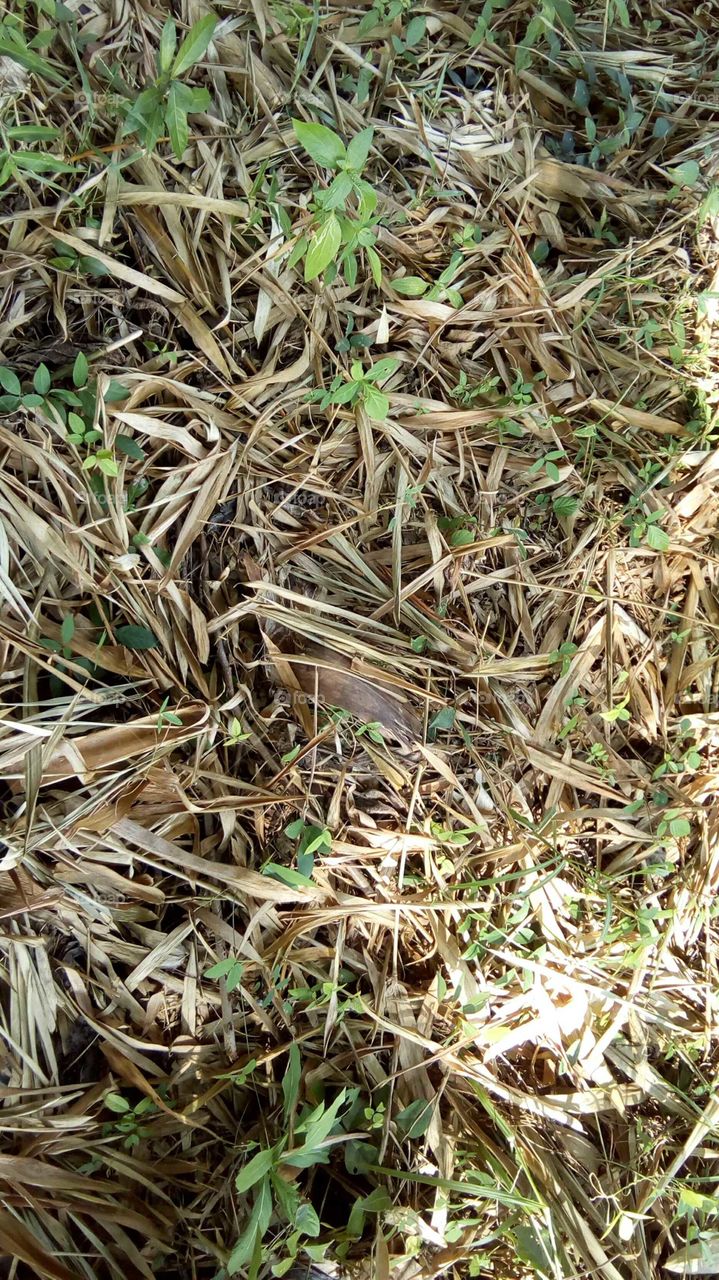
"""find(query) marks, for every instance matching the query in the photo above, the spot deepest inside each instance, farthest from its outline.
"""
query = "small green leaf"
(115, 1102)
(375, 265)
(321, 144)
(336, 194)
(291, 1081)
(686, 174)
(107, 466)
(288, 876)
(250, 1241)
(115, 392)
(564, 506)
(359, 149)
(254, 1170)
(289, 756)
(307, 1221)
(67, 630)
(657, 538)
(42, 380)
(9, 381)
(444, 719)
(552, 470)
(129, 447)
(168, 44)
(462, 538)
(294, 829)
(415, 1120)
(415, 32)
(195, 44)
(142, 112)
(680, 827)
(32, 162)
(323, 247)
(134, 637)
(176, 120)
(80, 370)
(33, 133)
(221, 969)
(376, 403)
(382, 369)
(409, 286)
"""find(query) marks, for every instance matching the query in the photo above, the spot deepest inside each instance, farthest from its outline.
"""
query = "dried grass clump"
(503, 945)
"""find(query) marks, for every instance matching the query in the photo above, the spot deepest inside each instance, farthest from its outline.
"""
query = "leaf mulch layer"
(359, 754)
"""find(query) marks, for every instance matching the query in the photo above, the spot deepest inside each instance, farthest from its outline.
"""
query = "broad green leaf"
(376, 403)
(108, 466)
(376, 1202)
(255, 1169)
(42, 380)
(115, 392)
(115, 1102)
(291, 1080)
(129, 447)
(295, 828)
(319, 1129)
(375, 265)
(288, 876)
(307, 1221)
(321, 144)
(80, 370)
(315, 838)
(221, 969)
(33, 133)
(409, 286)
(168, 44)
(686, 174)
(195, 44)
(382, 369)
(142, 111)
(9, 381)
(176, 120)
(255, 1229)
(552, 470)
(444, 719)
(67, 630)
(336, 194)
(360, 1157)
(298, 251)
(657, 538)
(345, 393)
(322, 247)
(197, 99)
(286, 1195)
(416, 29)
(415, 1120)
(134, 637)
(462, 538)
(680, 827)
(358, 149)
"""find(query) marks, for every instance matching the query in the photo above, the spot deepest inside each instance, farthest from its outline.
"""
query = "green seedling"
(231, 969)
(360, 388)
(343, 214)
(168, 102)
(129, 1119)
(311, 839)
